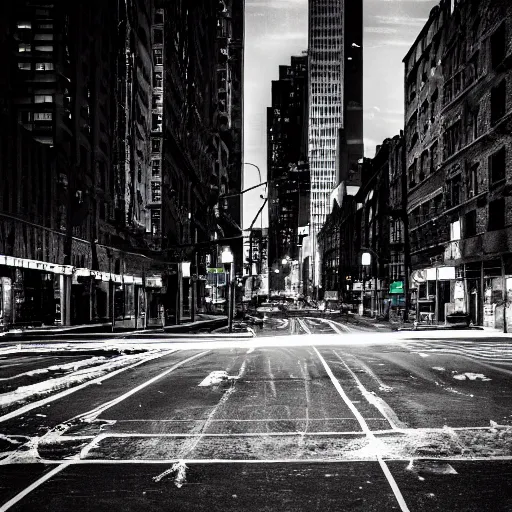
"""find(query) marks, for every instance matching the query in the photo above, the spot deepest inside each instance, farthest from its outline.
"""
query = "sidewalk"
(120, 327)
(374, 323)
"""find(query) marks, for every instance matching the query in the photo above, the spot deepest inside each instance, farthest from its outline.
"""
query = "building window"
(159, 17)
(423, 165)
(158, 36)
(411, 174)
(44, 48)
(25, 117)
(157, 100)
(43, 98)
(44, 66)
(433, 105)
(454, 191)
(433, 157)
(498, 46)
(156, 124)
(158, 56)
(24, 47)
(43, 116)
(24, 24)
(158, 80)
(43, 37)
(45, 26)
(498, 101)
(452, 139)
(156, 145)
(155, 192)
(496, 214)
(470, 224)
(455, 230)
(472, 180)
(497, 166)
(25, 66)
(155, 222)
(155, 168)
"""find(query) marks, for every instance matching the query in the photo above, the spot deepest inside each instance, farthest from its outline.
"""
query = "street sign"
(396, 287)
(215, 270)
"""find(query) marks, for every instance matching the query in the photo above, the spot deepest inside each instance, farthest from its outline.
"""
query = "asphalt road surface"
(324, 419)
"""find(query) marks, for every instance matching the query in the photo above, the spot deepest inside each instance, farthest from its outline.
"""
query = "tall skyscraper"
(288, 173)
(326, 18)
(335, 105)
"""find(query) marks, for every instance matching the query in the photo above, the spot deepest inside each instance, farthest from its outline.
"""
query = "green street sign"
(396, 287)
(215, 270)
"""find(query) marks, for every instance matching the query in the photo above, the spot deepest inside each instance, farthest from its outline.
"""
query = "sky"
(277, 29)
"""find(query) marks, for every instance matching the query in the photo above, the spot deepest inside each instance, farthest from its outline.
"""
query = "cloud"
(389, 42)
(380, 30)
(276, 4)
(400, 20)
(271, 39)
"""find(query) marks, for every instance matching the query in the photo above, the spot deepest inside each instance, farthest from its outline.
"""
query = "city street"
(325, 418)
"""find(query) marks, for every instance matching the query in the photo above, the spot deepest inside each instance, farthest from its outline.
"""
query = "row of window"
(26, 48)
(38, 66)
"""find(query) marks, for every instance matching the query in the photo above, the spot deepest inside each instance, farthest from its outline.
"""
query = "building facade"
(458, 106)
(288, 172)
(108, 157)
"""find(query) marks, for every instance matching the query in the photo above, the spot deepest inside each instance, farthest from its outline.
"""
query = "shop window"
(470, 224)
(496, 215)
(497, 166)
(498, 46)
(498, 101)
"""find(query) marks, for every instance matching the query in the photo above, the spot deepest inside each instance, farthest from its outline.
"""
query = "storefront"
(33, 293)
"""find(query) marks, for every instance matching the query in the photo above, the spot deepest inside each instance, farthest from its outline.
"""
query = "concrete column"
(65, 299)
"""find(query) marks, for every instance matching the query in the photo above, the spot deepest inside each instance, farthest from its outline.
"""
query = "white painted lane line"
(377, 402)
(237, 420)
(267, 461)
(62, 394)
(304, 326)
(133, 435)
(396, 491)
(33, 486)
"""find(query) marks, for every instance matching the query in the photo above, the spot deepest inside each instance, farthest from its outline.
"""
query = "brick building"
(458, 105)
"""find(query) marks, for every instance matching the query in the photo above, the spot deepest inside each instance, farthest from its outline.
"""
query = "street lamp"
(227, 258)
